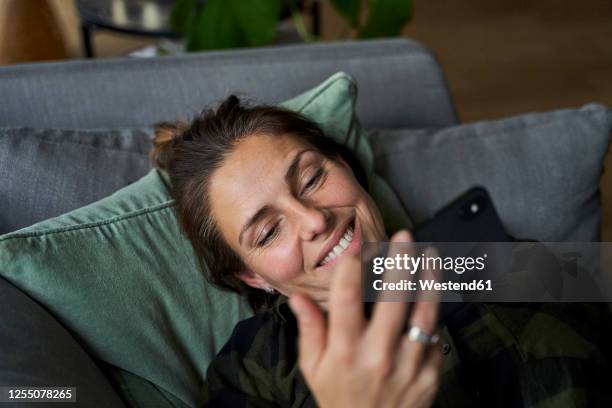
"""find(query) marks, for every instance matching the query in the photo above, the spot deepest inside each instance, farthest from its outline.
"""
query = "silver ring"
(417, 334)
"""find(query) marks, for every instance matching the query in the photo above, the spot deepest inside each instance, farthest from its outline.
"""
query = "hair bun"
(166, 135)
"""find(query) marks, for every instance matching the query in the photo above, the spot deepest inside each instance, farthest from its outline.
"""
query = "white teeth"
(340, 247)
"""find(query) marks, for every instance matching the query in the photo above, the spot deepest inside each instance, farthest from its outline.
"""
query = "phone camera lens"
(472, 208)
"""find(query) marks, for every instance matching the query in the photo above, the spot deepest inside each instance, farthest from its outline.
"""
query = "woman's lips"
(353, 248)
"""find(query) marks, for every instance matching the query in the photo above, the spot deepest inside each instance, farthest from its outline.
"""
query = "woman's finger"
(426, 384)
(413, 384)
(389, 316)
(424, 316)
(422, 391)
(346, 320)
(410, 355)
(312, 333)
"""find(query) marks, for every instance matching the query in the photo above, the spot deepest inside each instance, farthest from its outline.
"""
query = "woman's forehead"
(257, 157)
(250, 177)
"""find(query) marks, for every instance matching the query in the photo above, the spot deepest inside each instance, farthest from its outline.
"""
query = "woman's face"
(290, 213)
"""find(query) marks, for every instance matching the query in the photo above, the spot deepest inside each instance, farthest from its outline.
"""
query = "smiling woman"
(260, 186)
(275, 209)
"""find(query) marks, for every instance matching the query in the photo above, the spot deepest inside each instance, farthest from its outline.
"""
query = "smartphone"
(471, 217)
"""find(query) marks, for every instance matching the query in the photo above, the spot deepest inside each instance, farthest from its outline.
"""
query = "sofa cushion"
(35, 350)
(48, 172)
(122, 277)
(541, 169)
(119, 274)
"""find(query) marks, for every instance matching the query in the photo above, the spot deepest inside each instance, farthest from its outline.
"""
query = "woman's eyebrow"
(295, 165)
(289, 175)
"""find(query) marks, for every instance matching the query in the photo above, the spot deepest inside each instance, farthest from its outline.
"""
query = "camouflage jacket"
(495, 355)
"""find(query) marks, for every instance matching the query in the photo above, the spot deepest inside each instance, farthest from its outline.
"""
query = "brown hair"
(191, 152)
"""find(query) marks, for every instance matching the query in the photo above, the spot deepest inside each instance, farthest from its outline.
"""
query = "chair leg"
(315, 11)
(87, 32)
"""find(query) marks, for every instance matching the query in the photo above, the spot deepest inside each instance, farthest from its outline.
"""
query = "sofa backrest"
(400, 85)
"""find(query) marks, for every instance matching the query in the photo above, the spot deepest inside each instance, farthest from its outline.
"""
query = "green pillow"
(119, 274)
(122, 277)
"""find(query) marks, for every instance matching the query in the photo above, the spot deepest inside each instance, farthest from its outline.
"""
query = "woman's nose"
(312, 222)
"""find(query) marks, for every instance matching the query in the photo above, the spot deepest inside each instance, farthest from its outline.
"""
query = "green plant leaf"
(214, 27)
(349, 9)
(386, 18)
(233, 23)
(258, 19)
(182, 15)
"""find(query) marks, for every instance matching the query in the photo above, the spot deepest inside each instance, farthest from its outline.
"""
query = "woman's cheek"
(351, 193)
(286, 261)
(342, 189)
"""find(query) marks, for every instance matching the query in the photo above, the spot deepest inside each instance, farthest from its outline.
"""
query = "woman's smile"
(345, 240)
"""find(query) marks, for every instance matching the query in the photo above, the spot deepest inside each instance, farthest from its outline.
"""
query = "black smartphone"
(471, 217)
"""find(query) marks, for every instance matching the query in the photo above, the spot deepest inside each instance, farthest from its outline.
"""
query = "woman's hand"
(349, 362)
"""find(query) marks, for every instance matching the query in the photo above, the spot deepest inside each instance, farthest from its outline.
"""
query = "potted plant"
(215, 24)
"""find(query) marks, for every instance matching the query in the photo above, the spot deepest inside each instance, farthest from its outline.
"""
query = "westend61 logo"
(413, 264)
(516, 271)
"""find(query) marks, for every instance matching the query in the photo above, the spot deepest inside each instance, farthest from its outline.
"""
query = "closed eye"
(313, 181)
(268, 236)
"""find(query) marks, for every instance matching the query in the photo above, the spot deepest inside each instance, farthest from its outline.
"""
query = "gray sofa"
(400, 86)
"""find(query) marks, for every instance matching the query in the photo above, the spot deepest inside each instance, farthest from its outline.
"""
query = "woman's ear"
(252, 279)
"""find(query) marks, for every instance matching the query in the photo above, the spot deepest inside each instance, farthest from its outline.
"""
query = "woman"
(275, 209)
